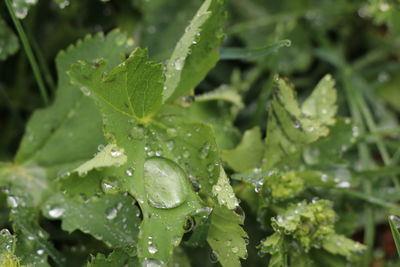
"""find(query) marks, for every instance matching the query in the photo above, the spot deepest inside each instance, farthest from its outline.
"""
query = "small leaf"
(110, 155)
(197, 50)
(224, 192)
(223, 93)
(248, 154)
(113, 219)
(339, 244)
(321, 104)
(289, 129)
(226, 237)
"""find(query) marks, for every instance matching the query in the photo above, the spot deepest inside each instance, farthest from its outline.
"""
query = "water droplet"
(110, 185)
(287, 43)
(186, 153)
(213, 257)
(189, 224)
(85, 91)
(179, 63)
(170, 144)
(63, 4)
(152, 249)
(120, 40)
(4, 232)
(21, 12)
(165, 183)
(147, 262)
(343, 184)
(137, 132)
(12, 201)
(115, 152)
(235, 250)
(111, 214)
(56, 212)
(130, 171)
(171, 132)
(395, 219)
(100, 147)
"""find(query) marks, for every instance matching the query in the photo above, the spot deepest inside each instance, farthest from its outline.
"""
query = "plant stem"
(364, 153)
(29, 53)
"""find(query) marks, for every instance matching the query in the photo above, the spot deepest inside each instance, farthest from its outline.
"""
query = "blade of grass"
(233, 53)
(393, 222)
(29, 53)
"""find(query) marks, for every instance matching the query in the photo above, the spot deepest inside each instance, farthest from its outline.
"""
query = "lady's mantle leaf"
(226, 237)
(133, 88)
(248, 154)
(290, 128)
(197, 51)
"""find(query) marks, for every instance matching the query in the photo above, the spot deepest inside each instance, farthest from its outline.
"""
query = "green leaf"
(72, 116)
(32, 248)
(7, 249)
(306, 223)
(329, 149)
(394, 223)
(114, 219)
(157, 28)
(136, 84)
(234, 53)
(223, 93)
(289, 129)
(165, 147)
(110, 155)
(224, 192)
(116, 258)
(226, 237)
(197, 50)
(248, 154)
(339, 244)
(321, 104)
(21, 7)
(9, 44)
(274, 245)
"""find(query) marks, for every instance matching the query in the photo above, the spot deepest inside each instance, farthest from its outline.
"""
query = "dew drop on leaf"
(56, 212)
(179, 63)
(164, 183)
(110, 185)
(130, 171)
(152, 249)
(396, 220)
(12, 202)
(152, 263)
(189, 224)
(213, 257)
(111, 214)
(85, 91)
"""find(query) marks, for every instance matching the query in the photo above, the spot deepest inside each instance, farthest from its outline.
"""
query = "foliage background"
(356, 41)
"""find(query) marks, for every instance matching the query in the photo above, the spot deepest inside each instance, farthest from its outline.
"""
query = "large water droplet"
(165, 183)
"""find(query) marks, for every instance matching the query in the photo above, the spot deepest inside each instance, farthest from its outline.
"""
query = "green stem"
(364, 153)
(29, 53)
